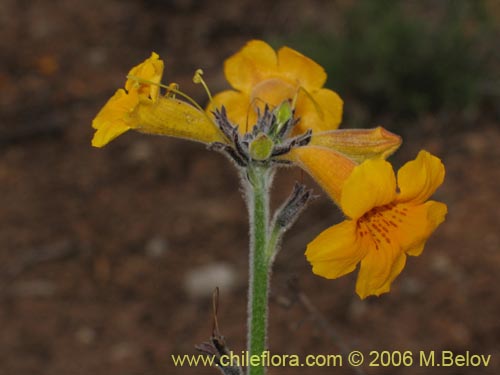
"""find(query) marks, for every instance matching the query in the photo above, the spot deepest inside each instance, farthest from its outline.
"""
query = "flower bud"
(261, 147)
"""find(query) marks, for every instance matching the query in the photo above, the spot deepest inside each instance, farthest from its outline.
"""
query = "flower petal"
(377, 268)
(397, 266)
(115, 117)
(109, 131)
(300, 69)
(151, 70)
(272, 92)
(329, 168)
(335, 251)
(118, 106)
(419, 178)
(432, 215)
(359, 144)
(253, 63)
(371, 184)
(318, 111)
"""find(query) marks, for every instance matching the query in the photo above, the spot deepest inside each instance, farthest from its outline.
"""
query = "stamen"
(317, 107)
(294, 99)
(197, 78)
(171, 88)
(147, 81)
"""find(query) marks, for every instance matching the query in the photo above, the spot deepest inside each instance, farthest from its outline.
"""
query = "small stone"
(442, 264)
(85, 335)
(97, 56)
(122, 351)
(156, 247)
(476, 143)
(140, 151)
(357, 309)
(411, 286)
(201, 282)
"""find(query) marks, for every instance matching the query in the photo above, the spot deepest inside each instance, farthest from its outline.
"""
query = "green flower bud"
(283, 113)
(261, 147)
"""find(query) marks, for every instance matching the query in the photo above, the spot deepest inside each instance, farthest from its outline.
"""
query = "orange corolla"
(261, 76)
(385, 221)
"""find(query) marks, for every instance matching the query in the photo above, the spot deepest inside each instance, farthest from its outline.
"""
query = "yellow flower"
(261, 76)
(384, 224)
(140, 107)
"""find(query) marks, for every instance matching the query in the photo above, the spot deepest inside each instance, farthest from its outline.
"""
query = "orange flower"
(383, 225)
(263, 77)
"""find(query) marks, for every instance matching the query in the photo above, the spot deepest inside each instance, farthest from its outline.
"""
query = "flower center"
(272, 91)
(381, 223)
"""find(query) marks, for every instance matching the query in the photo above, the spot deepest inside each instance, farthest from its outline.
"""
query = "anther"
(198, 79)
(172, 89)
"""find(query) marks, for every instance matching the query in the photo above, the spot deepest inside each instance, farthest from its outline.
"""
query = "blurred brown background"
(102, 252)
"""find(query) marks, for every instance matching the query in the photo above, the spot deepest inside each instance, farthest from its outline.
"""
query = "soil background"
(100, 248)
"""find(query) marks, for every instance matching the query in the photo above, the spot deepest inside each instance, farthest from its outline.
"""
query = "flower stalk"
(258, 182)
(265, 239)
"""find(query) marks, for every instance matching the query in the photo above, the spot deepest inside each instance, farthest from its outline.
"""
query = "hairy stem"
(258, 205)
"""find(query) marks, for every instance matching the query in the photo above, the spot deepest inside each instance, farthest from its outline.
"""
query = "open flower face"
(264, 79)
(261, 76)
(383, 225)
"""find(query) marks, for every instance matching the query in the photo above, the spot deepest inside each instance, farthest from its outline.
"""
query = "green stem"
(258, 196)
